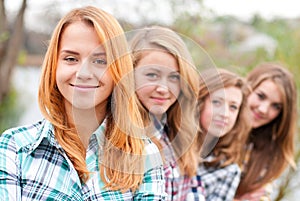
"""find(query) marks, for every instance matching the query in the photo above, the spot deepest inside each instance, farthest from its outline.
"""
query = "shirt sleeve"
(153, 185)
(221, 184)
(262, 194)
(9, 182)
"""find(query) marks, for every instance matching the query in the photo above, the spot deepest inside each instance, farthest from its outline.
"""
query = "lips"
(159, 99)
(220, 123)
(84, 86)
(256, 115)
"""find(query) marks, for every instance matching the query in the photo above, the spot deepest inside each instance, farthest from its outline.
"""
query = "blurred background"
(231, 34)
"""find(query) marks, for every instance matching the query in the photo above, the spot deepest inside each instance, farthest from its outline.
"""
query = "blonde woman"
(90, 146)
(270, 146)
(167, 85)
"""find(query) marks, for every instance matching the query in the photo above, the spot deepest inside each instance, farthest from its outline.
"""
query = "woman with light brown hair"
(167, 87)
(224, 124)
(91, 144)
(270, 146)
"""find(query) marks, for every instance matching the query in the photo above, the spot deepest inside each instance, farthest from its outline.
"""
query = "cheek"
(143, 94)
(64, 73)
(106, 77)
(175, 89)
(144, 90)
(141, 84)
(205, 118)
(102, 74)
(251, 100)
(60, 76)
(273, 114)
(233, 119)
(204, 122)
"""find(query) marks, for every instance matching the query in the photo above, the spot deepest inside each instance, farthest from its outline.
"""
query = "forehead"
(80, 36)
(160, 60)
(77, 26)
(230, 94)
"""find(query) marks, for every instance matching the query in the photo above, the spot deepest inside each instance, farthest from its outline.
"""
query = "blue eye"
(100, 61)
(152, 75)
(174, 77)
(216, 102)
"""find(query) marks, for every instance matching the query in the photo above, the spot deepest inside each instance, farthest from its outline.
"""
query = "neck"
(86, 121)
(159, 117)
(208, 145)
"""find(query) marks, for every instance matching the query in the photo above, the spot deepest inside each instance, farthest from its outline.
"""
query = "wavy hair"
(181, 122)
(273, 143)
(229, 147)
(123, 138)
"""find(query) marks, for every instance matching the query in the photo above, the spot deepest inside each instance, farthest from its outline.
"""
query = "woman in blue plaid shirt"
(224, 128)
(90, 146)
(167, 85)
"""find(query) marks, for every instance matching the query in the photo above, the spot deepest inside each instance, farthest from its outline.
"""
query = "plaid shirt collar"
(47, 132)
(159, 125)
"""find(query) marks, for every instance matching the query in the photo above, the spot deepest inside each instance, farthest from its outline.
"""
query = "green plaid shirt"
(33, 166)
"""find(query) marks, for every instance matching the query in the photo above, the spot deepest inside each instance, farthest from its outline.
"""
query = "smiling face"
(220, 111)
(265, 103)
(157, 81)
(82, 76)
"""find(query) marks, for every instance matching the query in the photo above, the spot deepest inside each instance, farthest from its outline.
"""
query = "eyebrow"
(69, 52)
(223, 99)
(96, 54)
(157, 69)
(152, 68)
(236, 103)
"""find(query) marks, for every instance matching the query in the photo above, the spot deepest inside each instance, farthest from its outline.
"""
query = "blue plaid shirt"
(33, 166)
(220, 184)
(178, 187)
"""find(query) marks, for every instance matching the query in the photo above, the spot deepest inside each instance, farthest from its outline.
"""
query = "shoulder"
(226, 178)
(232, 170)
(150, 147)
(22, 136)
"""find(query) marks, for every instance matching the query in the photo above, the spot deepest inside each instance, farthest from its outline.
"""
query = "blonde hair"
(274, 142)
(228, 148)
(122, 136)
(180, 119)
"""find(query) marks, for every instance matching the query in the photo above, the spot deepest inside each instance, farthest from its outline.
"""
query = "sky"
(245, 9)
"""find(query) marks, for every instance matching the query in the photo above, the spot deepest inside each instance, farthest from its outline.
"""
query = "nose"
(84, 71)
(224, 111)
(162, 86)
(263, 107)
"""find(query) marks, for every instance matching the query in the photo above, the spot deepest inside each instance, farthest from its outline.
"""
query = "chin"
(158, 110)
(256, 126)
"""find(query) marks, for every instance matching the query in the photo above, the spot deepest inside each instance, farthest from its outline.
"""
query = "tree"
(10, 42)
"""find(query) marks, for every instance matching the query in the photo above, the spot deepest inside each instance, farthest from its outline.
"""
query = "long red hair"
(126, 170)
